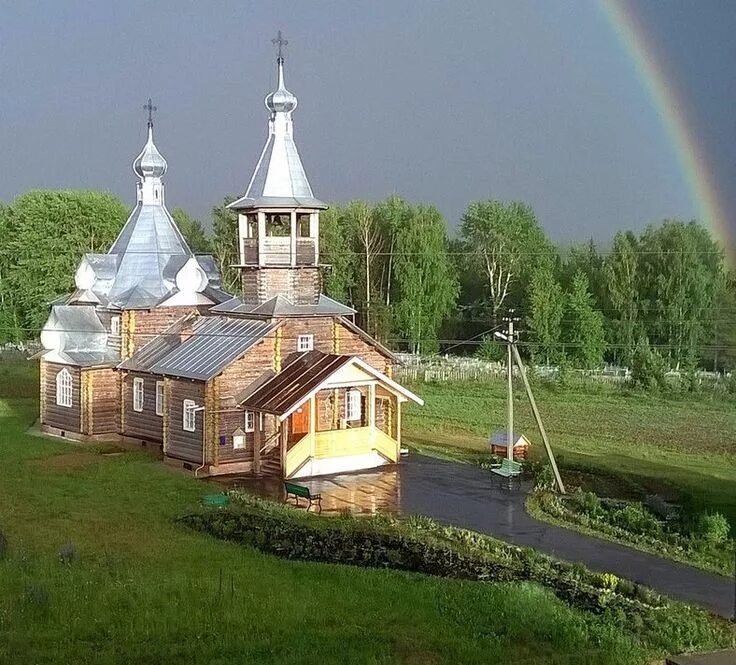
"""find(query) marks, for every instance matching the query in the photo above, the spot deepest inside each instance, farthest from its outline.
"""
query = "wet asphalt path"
(465, 496)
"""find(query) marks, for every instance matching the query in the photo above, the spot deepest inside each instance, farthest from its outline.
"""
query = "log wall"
(62, 417)
(142, 424)
(180, 443)
(103, 406)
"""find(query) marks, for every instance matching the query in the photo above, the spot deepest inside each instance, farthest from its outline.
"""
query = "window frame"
(160, 398)
(189, 415)
(139, 394)
(309, 345)
(64, 388)
(115, 326)
(353, 405)
(249, 415)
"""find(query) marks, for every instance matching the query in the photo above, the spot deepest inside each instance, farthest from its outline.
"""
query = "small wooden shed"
(499, 443)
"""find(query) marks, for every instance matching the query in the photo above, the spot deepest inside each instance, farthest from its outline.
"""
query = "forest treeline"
(662, 297)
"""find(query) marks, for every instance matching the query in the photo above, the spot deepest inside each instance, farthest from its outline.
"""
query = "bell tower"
(278, 218)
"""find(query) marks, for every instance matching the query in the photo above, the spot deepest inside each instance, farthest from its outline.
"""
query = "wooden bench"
(509, 470)
(301, 492)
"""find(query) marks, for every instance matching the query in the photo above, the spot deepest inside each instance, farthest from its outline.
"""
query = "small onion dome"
(150, 163)
(281, 100)
(191, 278)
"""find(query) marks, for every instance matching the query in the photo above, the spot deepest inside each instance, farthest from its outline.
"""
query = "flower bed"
(420, 545)
(652, 528)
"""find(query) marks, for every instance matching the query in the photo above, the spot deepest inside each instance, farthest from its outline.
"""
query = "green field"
(683, 448)
(141, 589)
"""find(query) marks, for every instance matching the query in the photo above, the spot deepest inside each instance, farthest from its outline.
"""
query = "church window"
(138, 395)
(159, 398)
(115, 326)
(353, 405)
(189, 415)
(64, 388)
(304, 343)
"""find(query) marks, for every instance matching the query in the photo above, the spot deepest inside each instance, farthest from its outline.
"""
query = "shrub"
(544, 479)
(590, 504)
(635, 518)
(714, 528)
(67, 554)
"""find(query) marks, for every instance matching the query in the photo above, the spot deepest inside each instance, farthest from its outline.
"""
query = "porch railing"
(385, 445)
(298, 454)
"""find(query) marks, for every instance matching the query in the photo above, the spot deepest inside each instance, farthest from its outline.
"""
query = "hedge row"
(420, 545)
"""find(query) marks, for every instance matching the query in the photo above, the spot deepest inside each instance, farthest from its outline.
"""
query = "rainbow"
(653, 75)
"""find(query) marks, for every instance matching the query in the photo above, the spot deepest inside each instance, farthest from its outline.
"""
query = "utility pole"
(510, 385)
(513, 354)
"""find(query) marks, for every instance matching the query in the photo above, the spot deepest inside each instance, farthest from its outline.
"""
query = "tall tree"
(681, 268)
(50, 232)
(505, 241)
(9, 322)
(335, 251)
(547, 307)
(585, 336)
(621, 275)
(193, 231)
(425, 285)
(225, 244)
(369, 243)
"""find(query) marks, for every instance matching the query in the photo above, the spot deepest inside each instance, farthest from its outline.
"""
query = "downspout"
(204, 440)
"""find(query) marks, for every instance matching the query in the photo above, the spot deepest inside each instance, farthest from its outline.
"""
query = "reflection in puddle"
(362, 493)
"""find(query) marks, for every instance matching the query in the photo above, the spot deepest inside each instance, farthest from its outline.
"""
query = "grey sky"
(442, 102)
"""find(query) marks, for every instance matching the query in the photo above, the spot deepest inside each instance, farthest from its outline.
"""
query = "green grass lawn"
(680, 447)
(143, 590)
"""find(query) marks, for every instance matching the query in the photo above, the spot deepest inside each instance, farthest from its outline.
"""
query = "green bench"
(301, 492)
(509, 470)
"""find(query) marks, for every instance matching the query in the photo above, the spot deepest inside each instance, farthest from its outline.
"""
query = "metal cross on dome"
(280, 42)
(151, 109)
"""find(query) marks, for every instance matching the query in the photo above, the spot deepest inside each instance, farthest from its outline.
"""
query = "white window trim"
(238, 441)
(304, 343)
(160, 398)
(115, 326)
(138, 395)
(64, 388)
(251, 427)
(189, 416)
(353, 405)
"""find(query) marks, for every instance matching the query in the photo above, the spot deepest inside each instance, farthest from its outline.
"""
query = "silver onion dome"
(150, 163)
(281, 100)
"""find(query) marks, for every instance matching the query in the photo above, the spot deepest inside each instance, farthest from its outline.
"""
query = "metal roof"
(144, 358)
(294, 383)
(500, 438)
(282, 306)
(75, 335)
(279, 179)
(214, 342)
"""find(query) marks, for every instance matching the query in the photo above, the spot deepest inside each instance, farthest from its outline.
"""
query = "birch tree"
(621, 273)
(426, 286)
(547, 307)
(504, 241)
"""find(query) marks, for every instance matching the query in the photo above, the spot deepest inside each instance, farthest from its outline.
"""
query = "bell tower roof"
(279, 179)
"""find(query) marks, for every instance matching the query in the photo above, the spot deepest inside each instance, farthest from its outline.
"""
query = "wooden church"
(277, 381)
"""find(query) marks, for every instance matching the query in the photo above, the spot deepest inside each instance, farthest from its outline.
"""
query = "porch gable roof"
(285, 392)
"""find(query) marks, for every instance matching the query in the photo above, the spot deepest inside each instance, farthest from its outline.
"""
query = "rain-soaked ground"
(470, 497)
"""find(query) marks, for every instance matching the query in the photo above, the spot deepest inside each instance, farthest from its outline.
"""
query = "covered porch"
(335, 414)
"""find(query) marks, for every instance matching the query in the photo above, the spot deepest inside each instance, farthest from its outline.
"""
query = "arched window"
(64, 388)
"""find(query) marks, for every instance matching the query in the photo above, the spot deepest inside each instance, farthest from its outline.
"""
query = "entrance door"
(300, 422)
